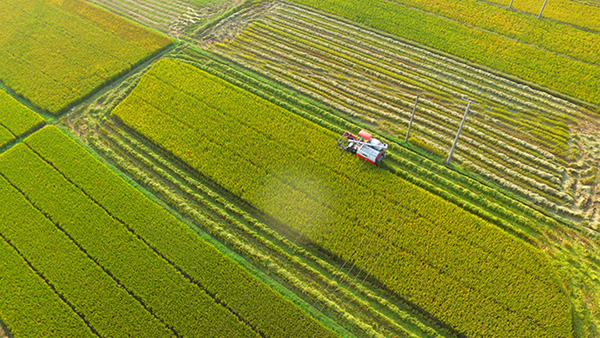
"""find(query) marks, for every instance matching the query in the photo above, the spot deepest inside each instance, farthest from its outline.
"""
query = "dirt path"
(230, 27)
(3, 333)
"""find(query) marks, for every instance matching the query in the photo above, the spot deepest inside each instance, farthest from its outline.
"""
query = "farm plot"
(578, 44)
(56, 53)
(504, 54)
(578, 13)
(15, 119)
(122, 263)
(518, 138)
(353, 305)
(175, 18)
(304, 184)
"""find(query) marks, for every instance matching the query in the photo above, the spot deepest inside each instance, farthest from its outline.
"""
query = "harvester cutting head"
(364, 146)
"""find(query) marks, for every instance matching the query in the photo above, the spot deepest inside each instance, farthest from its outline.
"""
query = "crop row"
(28, 306)
(499, 156)
(69, 51)
(106, 307)
(343, 92)
(513, 94)
(230, 285)
(514, 103)
(376, 68)
(506, 55)
(304, 185)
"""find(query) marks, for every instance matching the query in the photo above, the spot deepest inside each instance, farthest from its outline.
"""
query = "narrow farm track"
(329, 62)
(337, 46)
(177, 18)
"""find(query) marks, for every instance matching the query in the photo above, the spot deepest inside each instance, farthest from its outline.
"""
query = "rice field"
(169, 168)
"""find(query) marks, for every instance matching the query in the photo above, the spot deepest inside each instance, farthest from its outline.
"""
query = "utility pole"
(412, 117)
(544, 6)
(511, 2)
(462, 123)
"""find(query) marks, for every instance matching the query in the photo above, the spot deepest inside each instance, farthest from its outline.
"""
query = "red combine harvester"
(364, 146)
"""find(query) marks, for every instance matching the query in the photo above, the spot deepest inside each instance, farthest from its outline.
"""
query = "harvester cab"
(364, 146)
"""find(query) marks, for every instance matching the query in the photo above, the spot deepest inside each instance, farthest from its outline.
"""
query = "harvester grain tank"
(364, 146)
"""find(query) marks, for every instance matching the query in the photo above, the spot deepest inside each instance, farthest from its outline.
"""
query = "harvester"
(364, 146)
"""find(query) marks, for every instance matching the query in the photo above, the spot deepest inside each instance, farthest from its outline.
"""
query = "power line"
(392, 229)
(371, 255)
(406, 211)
